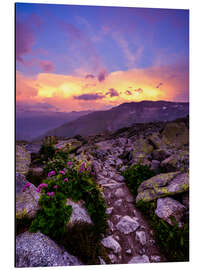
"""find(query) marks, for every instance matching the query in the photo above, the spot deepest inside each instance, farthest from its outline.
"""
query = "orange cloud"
(61, 90)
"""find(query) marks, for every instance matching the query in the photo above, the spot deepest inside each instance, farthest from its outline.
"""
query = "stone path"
(130, 240)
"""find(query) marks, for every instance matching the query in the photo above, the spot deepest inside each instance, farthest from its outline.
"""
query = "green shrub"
(135, 175)
(82, 241)
(53, 215)
(47, 151)
(172, 240)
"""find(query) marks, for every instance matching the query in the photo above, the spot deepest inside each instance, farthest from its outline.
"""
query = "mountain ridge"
(123, 115)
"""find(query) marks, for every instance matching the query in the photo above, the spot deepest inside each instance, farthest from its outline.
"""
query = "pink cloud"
(47, 66)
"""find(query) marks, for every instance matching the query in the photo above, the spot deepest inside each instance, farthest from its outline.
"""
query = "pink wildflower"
(51, 194)
(65, 180)
(27, 185)
(51, 173)
(62, 172)
(55, 186)
(70, 164)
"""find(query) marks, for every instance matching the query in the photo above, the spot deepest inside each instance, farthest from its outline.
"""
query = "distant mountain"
(31, 124)
(123, 115)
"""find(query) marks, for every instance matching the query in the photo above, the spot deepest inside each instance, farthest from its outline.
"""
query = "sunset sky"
(93, 58)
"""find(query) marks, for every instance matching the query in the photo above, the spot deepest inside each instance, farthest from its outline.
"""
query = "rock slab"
(38, 250)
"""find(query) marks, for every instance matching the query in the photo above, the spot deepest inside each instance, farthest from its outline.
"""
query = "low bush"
(172, 240)
(135, 175)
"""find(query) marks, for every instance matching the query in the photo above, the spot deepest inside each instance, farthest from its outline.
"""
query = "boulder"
(141, 237)
(23, 159)
(27, 200)
(168, 207)
(177, 161)
(163, 185)
(127, 225)
(69, 145)
(175, 134)
(160, 154)
(139, 259)
(155, 166)
(38, 250)
(79, 213)
(111, 243)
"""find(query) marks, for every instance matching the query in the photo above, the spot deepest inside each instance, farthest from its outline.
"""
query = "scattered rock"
(111, 243)
(155, 258)
(101, 260)
(27, 201)
(118, 203)
(23, 159)
(109, 210)
(168, 207)
(129, 251)
(160, 154)
(113, 258)
(38, 250)
(79, 213)
(155, 164)
(140, 259)
(120, 193)
(141, 237)
(127, 225)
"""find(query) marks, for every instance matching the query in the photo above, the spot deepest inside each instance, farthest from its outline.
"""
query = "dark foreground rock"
(38, 250)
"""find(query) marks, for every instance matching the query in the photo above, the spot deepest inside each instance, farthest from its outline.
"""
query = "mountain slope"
(123, 115)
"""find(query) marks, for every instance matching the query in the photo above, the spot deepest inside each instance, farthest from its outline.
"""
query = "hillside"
(109, 199)
(123, 115)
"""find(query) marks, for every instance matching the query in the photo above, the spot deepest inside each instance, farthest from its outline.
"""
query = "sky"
(75, 58)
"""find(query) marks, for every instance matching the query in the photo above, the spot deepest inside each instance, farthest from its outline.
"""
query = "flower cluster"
(27, 185)
(41, 186)
(51, 173)
(70, 164)
(51, 194)
(82, 168)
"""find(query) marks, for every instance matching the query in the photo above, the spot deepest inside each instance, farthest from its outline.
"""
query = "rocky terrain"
(130, 236)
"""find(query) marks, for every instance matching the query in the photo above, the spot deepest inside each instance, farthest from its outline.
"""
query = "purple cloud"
(127, 92)
(101, 76)
(160, 84)
(112, 92)
(89, 76)
(46, 66)
(24, 40)
(89, 97)
(139, 90)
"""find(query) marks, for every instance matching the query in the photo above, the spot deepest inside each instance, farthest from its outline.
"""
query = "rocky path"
(130, 240)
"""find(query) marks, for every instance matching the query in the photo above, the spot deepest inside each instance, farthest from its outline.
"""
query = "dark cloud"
(160, 84)
(89, 97)
(112, 92)
(46, 66)
(24, 40)
(127, 92)
(139, 90)
(89, 76)
(102, 75)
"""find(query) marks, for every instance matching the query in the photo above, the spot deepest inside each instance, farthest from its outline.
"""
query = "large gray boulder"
(23, 159)
(163, 185)
(140, 259)
(38, 250)
(111, 243)
(79, 213)
(168, 207)
(127, 225)
(26, 200)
